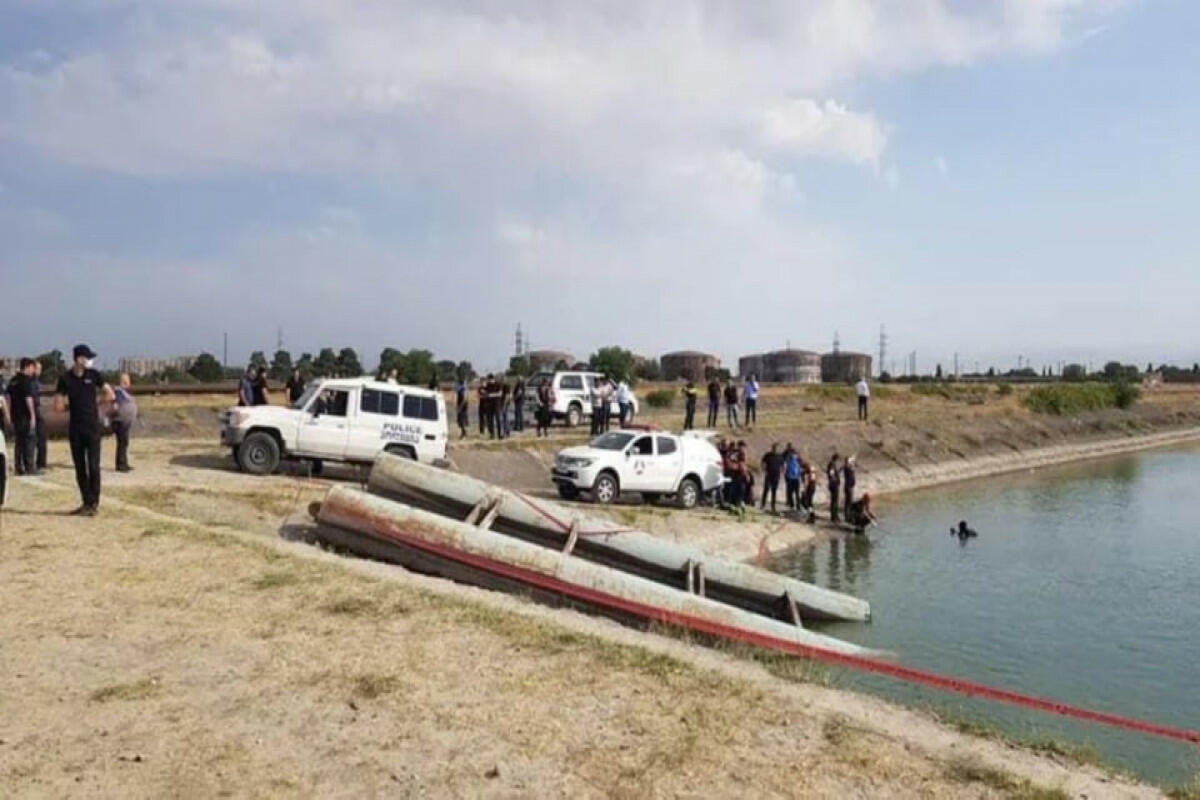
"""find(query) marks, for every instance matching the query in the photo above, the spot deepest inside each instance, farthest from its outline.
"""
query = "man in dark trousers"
(833, 474)
(294, 387)
(21, 401)
(462, 410)
(714, 402)
(39, 432)
(80, 391)
(731, 404)
(519, 405)
(848, 480)
(124, 414)
(772, 464)
(689, 405)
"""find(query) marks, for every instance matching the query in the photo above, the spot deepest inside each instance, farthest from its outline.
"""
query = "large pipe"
(392, 531)
(550, 524)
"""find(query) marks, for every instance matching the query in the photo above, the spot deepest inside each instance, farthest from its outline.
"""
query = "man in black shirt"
(714, 402)
(39, 418)
(295, 387)
(22, 403)
(80, 391)
(772, 464)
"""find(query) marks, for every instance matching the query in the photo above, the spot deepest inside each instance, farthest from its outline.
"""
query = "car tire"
(688, 496)
(259, 454)
(651, 497)
(606, 489)
(574, 415)
(317, 466)
(568, 492)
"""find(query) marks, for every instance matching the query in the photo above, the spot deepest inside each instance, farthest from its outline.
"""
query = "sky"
(1002, 179)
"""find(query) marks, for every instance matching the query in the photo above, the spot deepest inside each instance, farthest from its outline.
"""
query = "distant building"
(783, 366)
(9, 364)
(150, 366)
(547, 359)
(687, 364)
(845, 367)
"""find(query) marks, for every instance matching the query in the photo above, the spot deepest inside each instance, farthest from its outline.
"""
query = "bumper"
(579, 478)
(231, 437)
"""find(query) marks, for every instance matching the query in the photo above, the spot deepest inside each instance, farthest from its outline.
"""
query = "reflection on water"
(1082, 586)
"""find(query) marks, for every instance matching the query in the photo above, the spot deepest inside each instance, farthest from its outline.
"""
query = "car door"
(377, 408)
(637, 475)
(668, 463)
(325, 430)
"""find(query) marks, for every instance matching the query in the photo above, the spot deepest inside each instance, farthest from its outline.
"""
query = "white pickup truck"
(571, 394)
(651, 463)
(346, 419)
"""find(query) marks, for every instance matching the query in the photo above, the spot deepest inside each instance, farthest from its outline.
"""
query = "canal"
(1083, 586)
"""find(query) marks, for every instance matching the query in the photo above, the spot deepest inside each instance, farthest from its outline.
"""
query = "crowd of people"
(800, 480)
(91, 404)
(717, 393)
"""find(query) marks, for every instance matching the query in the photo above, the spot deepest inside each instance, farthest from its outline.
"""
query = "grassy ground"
(179, 645)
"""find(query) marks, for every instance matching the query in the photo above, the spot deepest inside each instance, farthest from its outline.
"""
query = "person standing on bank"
(39, 426)
(772, 464)
(849, 479)
(519, 405)
(689, 405)
(80, 392)
(750, 395)
(461, 409)
(259, 389)
(124, 415)
(731, 404)
(294, 387)
(863, 390)
(714, 402)
(833, 476)
(246, 388)
(545, 399)
(24, 419)
(624, 402)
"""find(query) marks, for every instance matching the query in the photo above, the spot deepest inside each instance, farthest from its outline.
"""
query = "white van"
(350, 420)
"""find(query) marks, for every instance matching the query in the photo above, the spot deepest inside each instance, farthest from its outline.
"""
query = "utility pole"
(956, 375)
(279, 338)
(520, 342)
(225, 351)
(837, 343)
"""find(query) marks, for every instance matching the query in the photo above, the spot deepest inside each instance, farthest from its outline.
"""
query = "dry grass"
(137, 690)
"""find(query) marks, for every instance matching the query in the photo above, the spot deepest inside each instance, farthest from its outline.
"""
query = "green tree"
(305, 365)
(207, 369)
(347, 364)
(281, 365)
(615, 362)
(562, 365)
(418, 368)
(390, 359)
(325, 364)
(258, 359)
(53, 366)
(465, 372)
(447, 371)
(519, 365)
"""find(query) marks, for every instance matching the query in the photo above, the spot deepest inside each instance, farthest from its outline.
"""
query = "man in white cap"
(80, 391)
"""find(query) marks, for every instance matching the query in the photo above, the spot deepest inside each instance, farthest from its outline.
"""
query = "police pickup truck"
(643, 460)
(350, 420)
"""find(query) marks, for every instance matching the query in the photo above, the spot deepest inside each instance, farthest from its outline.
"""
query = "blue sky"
(999, 178)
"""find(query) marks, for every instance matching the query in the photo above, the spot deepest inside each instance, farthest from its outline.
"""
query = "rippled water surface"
(1083, 586)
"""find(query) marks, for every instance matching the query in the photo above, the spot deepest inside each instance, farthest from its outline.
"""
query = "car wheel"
(688, 495)
(651, 497)
(605, 490)
(567, 492)
(317, 466)
(259, 454)
(574, 416)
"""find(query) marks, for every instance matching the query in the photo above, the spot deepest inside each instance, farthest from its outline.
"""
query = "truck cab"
(349, 420)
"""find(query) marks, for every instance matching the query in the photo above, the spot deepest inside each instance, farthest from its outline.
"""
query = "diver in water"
(963, 531)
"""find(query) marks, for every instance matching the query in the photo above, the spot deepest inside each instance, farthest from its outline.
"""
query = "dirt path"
(178, 645)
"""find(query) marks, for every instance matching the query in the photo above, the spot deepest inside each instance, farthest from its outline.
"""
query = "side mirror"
(628, 454)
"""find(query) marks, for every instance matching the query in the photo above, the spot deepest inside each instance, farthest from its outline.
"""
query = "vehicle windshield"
(613, 440)
(308, 395)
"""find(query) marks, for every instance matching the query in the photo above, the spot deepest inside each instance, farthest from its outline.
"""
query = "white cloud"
(520, 234)
(942, 167)
(808, 128)
(891, 176)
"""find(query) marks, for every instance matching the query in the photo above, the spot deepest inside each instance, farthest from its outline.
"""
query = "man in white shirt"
(864, 396)
(624, 401)
(750, 395)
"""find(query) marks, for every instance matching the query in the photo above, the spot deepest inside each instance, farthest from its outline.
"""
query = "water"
(1083, 587)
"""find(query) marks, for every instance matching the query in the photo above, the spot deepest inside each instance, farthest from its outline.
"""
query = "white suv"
(651, 463)
(571, 394)
(347, 419)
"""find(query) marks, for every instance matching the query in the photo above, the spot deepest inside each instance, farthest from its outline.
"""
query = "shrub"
(1004, 389)
(1060, 399)
(660, 398)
